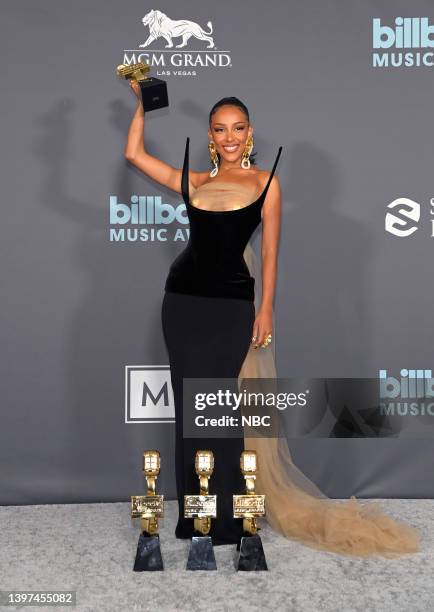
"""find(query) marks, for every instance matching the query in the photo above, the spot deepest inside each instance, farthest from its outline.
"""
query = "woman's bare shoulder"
(199, 178)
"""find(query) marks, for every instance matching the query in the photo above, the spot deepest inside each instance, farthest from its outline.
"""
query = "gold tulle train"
(295, 506)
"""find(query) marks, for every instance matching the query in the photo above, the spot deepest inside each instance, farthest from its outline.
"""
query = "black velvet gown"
(208, 314)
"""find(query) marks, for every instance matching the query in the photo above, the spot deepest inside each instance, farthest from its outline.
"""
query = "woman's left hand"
(262, 327)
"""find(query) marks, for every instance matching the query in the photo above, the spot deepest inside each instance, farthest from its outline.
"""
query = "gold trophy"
(249, 507)
(202, 508)
(154, 91)
(149, 508)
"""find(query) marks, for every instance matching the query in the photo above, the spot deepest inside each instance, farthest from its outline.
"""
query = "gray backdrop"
(78, 308)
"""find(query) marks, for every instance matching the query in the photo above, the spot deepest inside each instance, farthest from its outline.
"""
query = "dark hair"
(233, 101)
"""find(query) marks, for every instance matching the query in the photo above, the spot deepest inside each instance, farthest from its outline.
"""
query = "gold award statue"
(249, 507)
(202, 508)
(149, 508)
(153, 90)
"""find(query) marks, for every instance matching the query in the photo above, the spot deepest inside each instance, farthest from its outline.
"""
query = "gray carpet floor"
(90, 548)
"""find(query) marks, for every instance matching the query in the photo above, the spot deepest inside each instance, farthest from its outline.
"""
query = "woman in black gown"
(213, 328)
(208, 317)
(208, 311)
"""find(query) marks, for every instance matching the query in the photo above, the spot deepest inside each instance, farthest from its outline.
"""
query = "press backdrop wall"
(77, 308)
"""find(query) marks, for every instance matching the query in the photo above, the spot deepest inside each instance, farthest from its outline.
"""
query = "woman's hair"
(233, 101)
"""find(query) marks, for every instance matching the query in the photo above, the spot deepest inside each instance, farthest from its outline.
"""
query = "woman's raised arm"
(135, 151)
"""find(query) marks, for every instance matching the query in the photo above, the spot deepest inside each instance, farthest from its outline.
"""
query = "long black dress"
(208, 314)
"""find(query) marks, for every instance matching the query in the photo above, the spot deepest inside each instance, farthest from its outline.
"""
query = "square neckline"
(221, 212)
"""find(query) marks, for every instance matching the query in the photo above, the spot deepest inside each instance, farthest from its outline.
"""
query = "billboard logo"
(415, 33)
(408, 33)
(147, 219)
(148, 395)
(145, 209)
(412, 384)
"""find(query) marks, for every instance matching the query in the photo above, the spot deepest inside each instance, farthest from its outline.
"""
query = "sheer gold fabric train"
(295, 506)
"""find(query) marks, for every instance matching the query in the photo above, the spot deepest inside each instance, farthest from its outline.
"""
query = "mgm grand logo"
(177, 47)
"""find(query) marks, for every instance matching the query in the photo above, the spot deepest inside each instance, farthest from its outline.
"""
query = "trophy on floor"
(202, 508)
(248, 507)
(148, 508)
(154, 91)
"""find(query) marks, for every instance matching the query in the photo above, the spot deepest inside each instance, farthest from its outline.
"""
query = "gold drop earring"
(214, 158)
(245, 160)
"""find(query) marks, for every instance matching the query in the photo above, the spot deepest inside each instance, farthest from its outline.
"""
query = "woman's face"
(229, 130)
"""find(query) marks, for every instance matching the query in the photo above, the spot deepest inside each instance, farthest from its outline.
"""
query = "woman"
(213, 328)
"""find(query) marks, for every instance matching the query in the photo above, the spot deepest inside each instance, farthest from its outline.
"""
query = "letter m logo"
(148, 395)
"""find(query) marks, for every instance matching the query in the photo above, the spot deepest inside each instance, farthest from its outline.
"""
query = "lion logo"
(160, 25)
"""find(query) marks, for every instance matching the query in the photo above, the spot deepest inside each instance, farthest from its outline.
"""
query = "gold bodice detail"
(223, 196)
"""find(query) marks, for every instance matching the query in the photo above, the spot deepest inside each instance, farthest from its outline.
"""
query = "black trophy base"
(201, 555)
(154, 94)
(251, 557)
(148, 555)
